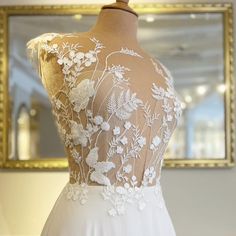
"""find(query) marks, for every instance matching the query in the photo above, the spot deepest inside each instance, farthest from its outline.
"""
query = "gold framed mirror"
(195, 41)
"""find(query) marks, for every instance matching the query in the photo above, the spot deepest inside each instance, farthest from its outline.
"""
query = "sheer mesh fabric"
(115, 107)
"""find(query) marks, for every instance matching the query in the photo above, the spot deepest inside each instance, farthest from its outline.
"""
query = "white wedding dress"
(115, 124)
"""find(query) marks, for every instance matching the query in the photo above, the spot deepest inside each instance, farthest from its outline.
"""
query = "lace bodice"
(113, 118)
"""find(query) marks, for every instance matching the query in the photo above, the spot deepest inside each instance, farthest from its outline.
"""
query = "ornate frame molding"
(57, 163)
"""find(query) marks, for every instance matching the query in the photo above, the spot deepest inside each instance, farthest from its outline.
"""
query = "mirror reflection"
(190, 45)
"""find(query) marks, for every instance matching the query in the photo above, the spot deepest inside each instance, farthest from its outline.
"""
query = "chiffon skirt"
(71, 218)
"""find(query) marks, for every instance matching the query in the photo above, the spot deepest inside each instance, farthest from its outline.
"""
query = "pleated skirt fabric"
(71, 218)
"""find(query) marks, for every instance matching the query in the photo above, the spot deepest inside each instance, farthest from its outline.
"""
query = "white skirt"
(113, 215)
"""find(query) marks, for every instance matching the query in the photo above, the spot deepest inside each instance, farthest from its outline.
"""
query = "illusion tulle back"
(116, 109)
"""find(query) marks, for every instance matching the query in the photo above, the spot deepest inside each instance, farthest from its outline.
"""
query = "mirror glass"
(190, 45)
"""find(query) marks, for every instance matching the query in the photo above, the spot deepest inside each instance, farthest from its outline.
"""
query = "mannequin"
(120, 4)
(116, 27)
(115, 108)
(117, 21)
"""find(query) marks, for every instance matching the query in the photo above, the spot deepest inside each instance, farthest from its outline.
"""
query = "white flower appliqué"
(98, 120)
(155, 142)
(105, 126)
(116, 130)
(124, 140)
(149, 176)
(79, 134)
(127, 124)
(119, 149)
(99, 167)
(127, 169)
(79, 96)
(142, 141)
(77, 191)
(121, 196)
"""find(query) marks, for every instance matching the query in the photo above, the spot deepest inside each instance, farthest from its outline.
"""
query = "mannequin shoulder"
(35, 42)
(77, 40)
(56, 42)
(35, 45)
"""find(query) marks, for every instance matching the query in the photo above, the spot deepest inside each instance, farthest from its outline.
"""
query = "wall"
(200, 201)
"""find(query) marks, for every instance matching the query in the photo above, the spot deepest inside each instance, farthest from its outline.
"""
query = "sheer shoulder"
(34, 46)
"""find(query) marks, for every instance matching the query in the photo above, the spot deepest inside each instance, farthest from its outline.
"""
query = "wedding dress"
(115, 125)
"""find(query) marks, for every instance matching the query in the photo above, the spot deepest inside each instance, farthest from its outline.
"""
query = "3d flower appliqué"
(155, 142)
(77, 191)
(122, 196)
(105, 126)
(79, 134)
(119, 149)
(100, 168)
(124, 140)
(141, 141)
(149, 176)
(116, 130)
(98, 120)
(79, 96)
(127, 169)
(90, 58)
(127, 124)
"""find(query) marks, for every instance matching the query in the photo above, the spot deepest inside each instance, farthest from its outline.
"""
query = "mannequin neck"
(118, 24)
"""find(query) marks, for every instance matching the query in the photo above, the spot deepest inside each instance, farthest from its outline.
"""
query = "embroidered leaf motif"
(135, 147)
(111, 106)
(129, 52)
(92, 157)
(178, 109)
(98, 44)
(126, 103)
(99, 178)
(169, 78)
(167, 107)
(118, 73)
(158, 93)
(157, 69)
(104, 166)
(79, 95)
(148, 116)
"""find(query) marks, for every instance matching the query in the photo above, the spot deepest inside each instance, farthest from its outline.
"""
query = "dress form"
(121, 4)
(116, 28)
(115, 108)
(115, 25)
(119, 25)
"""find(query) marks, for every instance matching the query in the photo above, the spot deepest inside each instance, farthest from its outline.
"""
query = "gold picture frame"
(92, 9)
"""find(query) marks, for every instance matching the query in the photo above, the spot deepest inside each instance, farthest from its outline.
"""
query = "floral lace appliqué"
(119, 197)
(77, 191)
(81, 125)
